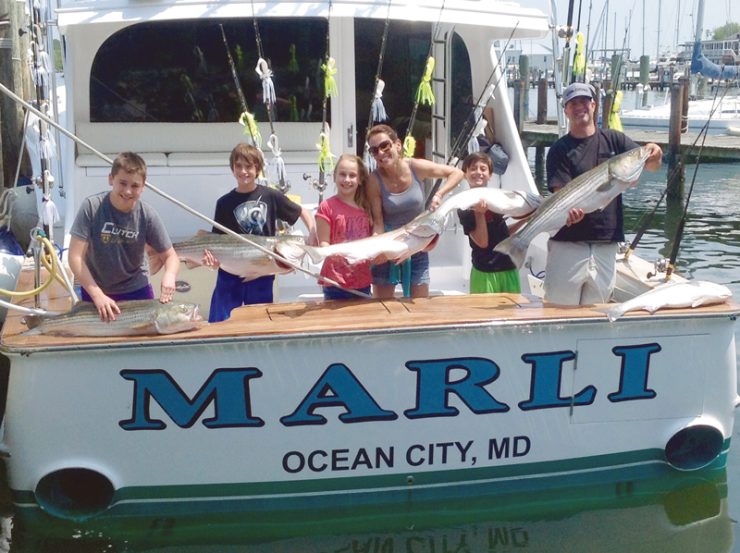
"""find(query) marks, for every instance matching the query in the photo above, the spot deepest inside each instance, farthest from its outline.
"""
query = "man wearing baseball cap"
(581, 261)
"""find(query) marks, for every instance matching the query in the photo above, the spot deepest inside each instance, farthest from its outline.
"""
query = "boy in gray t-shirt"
(107, 251)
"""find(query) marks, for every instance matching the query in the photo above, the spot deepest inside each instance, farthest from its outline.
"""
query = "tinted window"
(178, 71)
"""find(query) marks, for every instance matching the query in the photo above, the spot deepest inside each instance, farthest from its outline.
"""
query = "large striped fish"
(591, 191)
(137, 318)
(400, 244)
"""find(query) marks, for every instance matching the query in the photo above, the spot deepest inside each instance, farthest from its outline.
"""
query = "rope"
(177, 202)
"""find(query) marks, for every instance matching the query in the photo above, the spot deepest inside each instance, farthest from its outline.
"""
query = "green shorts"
(492, 283)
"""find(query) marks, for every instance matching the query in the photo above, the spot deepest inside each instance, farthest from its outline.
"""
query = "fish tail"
(515, 247)
(313, 252)
(613, 313)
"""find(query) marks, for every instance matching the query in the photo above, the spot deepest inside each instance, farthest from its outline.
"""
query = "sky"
(673, 13)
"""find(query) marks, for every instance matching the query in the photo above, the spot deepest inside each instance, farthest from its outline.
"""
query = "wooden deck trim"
(300, 318)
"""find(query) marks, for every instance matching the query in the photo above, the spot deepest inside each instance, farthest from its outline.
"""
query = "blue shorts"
(419, 271)
(231, 292)
(144, 293)
(334, 293)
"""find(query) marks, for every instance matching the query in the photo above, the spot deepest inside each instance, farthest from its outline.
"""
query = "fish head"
(627, 167)
(176, 316)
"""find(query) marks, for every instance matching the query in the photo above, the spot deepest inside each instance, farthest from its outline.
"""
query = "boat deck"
(330, 317)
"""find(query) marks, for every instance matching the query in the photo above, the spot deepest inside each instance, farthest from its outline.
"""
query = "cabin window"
(406, 52)
(461, 87)
(178, 71)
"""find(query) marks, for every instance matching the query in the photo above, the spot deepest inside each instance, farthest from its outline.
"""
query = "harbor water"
(693, 512)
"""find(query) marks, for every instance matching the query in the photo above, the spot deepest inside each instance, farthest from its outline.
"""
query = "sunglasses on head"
(380, 148)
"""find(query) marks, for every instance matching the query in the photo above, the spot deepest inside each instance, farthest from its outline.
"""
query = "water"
(698, 516)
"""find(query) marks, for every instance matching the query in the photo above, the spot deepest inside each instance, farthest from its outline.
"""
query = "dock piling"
(676, 169)
(542, 101)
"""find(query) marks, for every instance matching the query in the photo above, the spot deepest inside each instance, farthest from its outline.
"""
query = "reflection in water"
(671, 514)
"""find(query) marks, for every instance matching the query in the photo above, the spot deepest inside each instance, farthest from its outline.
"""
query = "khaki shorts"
(580, 273)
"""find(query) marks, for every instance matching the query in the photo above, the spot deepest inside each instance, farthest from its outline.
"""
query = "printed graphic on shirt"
(357, 227)
(251, 216)
(114, 234)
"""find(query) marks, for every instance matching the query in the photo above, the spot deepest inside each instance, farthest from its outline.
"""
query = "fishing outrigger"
(333, 409)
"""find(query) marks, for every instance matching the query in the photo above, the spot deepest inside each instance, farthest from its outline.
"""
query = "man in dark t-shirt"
(581, 260)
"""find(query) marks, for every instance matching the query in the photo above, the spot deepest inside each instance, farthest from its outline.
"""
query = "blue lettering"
(546, 378)
(228, 389)
(434, 387)
(338, 387)
(634, 376)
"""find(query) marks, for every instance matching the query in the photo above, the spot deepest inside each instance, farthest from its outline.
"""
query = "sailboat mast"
(699, 21)
(657, 57)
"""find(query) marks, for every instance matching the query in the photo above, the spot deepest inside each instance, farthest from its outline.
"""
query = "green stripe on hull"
(371, 490)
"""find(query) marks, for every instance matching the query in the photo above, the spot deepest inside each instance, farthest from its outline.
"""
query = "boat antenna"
(377, 109)
(424, 94)
(649, 218)
(277, 165)
(246, 118)
(476, 115)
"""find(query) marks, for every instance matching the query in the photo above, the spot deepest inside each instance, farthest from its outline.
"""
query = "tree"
(726, 31)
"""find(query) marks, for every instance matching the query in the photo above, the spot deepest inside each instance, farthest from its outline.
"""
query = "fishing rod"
(649, 219)
(249, 123)
(269, 99)
(381, 115)
(466, 133)
(177, 202)
(424, 93)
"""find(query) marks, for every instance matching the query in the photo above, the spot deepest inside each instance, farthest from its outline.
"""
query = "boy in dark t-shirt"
(250, 209)
(492, 271)
(109, 238)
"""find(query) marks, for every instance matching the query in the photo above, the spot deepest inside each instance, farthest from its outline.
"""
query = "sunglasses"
(380, 148)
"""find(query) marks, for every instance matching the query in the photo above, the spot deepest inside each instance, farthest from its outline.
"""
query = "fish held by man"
(137, 318)
(673, 295)
(591, 191)
(400, 244)
(240, 258)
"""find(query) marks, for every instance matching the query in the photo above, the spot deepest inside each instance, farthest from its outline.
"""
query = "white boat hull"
(289, 422)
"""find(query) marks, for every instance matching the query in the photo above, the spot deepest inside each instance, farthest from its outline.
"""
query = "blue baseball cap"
(576, 90)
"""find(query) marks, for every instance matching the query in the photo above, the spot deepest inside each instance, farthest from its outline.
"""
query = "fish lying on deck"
(673, 295)
(591, 191)
(239, 258)
(137, 318)
(400, 244)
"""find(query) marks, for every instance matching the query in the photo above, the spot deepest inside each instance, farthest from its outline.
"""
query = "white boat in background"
(725, 113)
(307, 405)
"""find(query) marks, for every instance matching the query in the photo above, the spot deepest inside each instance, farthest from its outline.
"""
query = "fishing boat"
(303, 405)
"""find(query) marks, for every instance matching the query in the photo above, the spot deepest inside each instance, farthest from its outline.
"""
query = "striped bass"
(400, 244)
(137, 318)
(673, 295)
(241, 259)
(591, 191)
